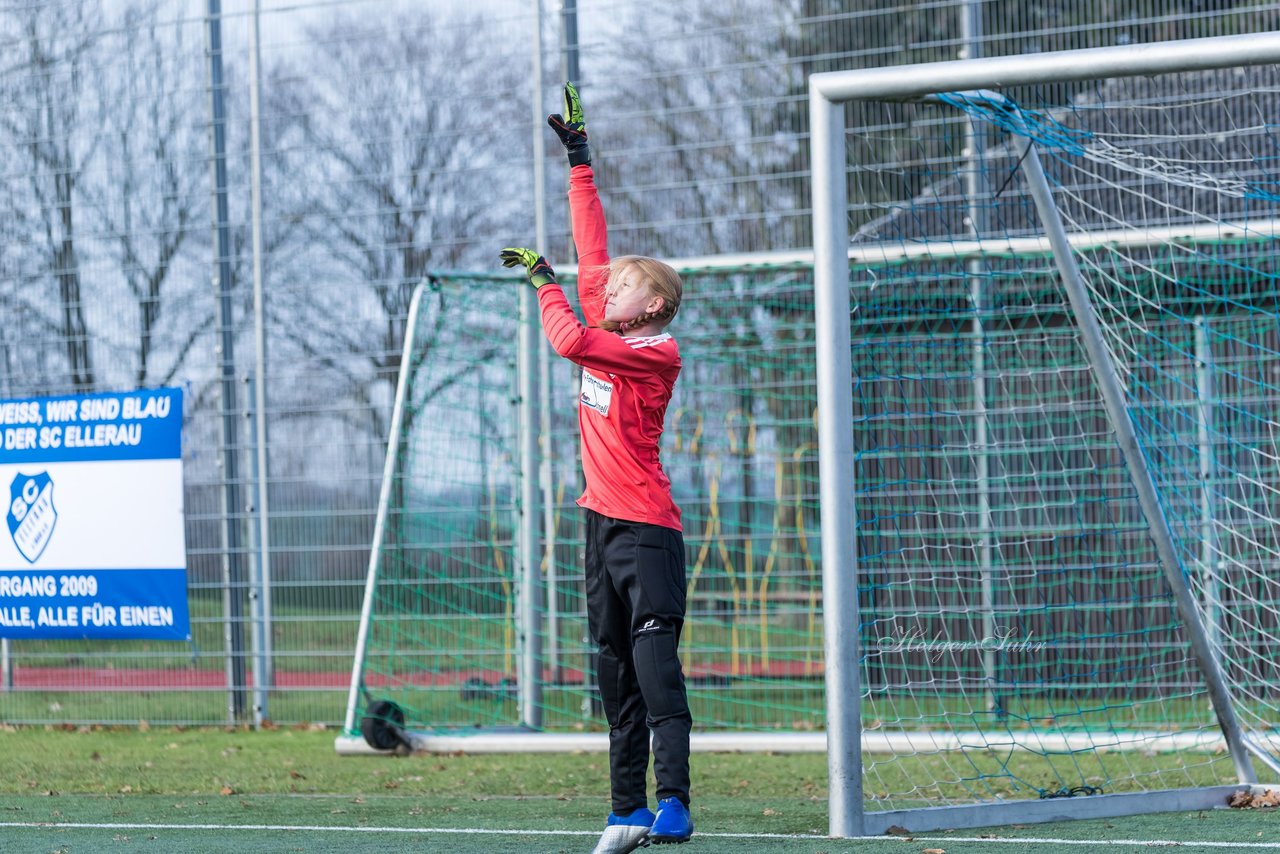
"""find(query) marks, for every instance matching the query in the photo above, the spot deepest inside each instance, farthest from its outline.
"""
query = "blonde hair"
(662, 281)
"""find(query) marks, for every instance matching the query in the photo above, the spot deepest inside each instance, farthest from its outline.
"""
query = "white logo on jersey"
(637, 342)
(596, 393)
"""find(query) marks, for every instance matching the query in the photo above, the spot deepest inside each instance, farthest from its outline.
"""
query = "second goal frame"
(828, 93)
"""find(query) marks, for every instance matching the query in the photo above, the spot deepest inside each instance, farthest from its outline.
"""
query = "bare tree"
(54, 118)
(693, 157)
(395, 170)
(151, 200)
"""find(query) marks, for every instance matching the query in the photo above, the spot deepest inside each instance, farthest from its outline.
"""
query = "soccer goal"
(469, 640)
(1050, 550)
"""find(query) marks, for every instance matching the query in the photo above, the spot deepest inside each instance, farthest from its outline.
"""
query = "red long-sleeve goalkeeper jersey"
(626, 381)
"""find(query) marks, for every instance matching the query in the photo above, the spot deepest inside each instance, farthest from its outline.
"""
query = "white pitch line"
(475, 831)
(480, 831)
(1150, 843)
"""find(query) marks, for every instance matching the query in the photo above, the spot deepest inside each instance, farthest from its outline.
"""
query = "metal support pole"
(1117, 406)
(232, 505)
(898, 82)
(1209, 563)
(530, 338)
(6, 648)
(257, 651)
(264, 676)
(569, 22)
(840, 617)
(568, 71)
(975, 216)
(547, 478)
(409, 361)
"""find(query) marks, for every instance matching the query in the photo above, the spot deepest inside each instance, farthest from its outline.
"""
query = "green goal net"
(443, 632)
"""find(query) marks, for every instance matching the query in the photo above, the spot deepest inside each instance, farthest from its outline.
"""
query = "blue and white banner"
(96, 545)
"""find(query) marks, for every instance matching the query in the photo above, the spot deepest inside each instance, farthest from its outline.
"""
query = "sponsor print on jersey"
(597, 394)
(639, 342)
(32, 515)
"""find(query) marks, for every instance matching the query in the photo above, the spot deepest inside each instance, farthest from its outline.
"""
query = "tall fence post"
(975, 214)
(232, 537)
(264, 678)
(530, 337)
(259, 626)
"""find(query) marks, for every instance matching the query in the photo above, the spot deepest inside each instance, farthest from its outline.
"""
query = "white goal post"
(974, 80)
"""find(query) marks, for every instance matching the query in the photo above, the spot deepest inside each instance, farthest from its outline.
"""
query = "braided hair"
(662, 281)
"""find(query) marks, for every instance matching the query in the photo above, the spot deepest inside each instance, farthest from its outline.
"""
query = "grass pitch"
(213, 790)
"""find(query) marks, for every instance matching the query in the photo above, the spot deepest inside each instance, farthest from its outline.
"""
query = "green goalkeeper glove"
(573, 129)
(537, 268)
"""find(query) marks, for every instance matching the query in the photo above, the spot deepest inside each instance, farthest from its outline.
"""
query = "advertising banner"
(96, 546)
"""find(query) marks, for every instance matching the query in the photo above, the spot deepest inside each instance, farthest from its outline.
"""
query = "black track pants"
(635, 610)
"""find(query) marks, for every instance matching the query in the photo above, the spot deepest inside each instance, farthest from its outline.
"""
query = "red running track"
(142, 679)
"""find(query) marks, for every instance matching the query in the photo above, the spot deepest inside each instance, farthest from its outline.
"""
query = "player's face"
(628, 297)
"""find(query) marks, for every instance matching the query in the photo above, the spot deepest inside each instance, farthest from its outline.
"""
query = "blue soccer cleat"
(623, 834)
(673, 824)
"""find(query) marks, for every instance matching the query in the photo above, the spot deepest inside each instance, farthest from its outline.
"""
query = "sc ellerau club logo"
(32, 516)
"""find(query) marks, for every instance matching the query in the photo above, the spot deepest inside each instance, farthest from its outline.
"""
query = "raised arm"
(590, 348)
(591, 237)
(590, 233)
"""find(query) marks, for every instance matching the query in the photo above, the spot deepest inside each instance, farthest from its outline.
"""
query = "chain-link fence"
(239, 198)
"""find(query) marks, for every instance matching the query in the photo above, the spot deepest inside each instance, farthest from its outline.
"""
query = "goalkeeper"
(635, 558)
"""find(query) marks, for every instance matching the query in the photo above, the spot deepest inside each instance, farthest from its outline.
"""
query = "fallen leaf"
(1240, 800)
(1266, 799)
